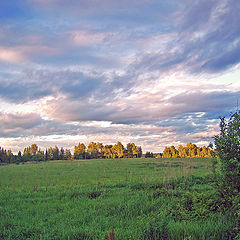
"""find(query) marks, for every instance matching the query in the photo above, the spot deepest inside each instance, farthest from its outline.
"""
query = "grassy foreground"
(137, 198)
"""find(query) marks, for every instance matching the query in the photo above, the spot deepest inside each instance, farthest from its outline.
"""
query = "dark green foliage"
(228, 152)
(156, 228)
(149, 155)
(6, 156)
(227, 168)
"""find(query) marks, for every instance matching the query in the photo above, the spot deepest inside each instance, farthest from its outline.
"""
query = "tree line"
(190, 150)
(98, 150)
(93, 150)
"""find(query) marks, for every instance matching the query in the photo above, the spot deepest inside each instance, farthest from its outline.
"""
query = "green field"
(136, 198)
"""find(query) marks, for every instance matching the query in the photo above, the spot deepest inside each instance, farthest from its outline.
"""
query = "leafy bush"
(228, 153)
(227, 166)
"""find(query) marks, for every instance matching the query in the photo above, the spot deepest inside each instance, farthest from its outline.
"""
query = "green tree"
(19, 156)
(62, 154)
(10, 156)
(32, 153)
(55, 153)
(46, 156)
(139, 155)
(148, 155)
(227, 166)
(68, 154)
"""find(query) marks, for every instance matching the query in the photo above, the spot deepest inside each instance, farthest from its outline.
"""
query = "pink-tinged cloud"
(11, 55)
(19, 120)
(36, 51)
(108, 70)
(83, 38)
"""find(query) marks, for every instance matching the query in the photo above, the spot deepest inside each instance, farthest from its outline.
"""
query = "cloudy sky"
(153, 72)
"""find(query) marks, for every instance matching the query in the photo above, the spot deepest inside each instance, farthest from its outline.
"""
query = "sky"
(153, 72)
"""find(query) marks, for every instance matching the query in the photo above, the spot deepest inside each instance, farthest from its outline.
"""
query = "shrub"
(227, 166)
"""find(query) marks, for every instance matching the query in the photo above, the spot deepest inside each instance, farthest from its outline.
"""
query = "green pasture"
(99, 171)
(135, 198)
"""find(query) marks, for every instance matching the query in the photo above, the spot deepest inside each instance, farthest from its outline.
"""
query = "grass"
(85, 199)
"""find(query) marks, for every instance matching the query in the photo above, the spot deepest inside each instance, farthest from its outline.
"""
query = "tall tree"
(68, 154)
(148, 155)
(46, 156)
(173, 152)
(118, 150)
(100, 150)
(166, 152)
(55, 153)
(181, 151)
(93, 150)
(33, 149)
(132, 150)
(79, 151)
(139, 155)
(107, 151)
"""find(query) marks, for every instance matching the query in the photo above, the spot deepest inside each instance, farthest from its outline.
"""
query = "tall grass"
(135, 198)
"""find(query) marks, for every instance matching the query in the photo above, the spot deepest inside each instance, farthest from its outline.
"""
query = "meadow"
(141, 198)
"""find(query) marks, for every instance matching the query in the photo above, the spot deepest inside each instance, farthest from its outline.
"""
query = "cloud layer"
(152, 72)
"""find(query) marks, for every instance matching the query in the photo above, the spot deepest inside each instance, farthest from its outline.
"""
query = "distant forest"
(98, 150)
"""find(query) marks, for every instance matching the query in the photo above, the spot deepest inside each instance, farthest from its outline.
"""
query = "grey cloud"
(30, 85)
(17, 124)
(203, 38)
(208, 41)
(151, 137)
(26, 121)
(147, 109)
(206, 102)
(207, 34)
(224, 61)
(74, 110)
(20, 92)
(217, 49)
(31, 124)
(116, 11)
(197, 14)
(78, 85)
